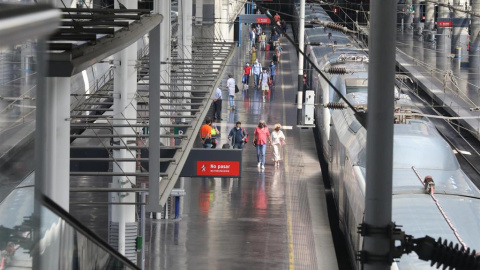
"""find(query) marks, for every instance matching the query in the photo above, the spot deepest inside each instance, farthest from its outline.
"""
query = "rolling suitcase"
(267, 47)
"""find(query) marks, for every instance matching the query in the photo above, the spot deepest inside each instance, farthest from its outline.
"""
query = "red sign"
(263, 20)
(218, 168)
(445, 24)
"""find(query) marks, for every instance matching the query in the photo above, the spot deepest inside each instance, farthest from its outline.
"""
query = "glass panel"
(64, 243)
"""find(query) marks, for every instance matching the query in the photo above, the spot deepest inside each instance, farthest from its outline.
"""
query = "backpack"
(246, 137)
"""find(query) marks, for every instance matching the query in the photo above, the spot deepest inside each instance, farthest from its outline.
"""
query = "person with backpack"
(238, 136)
(256, 70)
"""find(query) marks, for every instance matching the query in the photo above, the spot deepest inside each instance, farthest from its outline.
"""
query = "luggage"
(226, 146)
(267, 47)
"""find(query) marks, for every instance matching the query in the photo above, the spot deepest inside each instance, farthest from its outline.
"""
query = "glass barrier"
(63, 243)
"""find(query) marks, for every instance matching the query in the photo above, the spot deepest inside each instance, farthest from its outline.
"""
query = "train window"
(356, 89)
(354, 85)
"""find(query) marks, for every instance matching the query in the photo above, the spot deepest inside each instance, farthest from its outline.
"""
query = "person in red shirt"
(276, 18)
(261, 137)
(246, 76)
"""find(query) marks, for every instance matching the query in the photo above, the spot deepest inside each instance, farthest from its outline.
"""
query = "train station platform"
(448, 81)
(268, 219)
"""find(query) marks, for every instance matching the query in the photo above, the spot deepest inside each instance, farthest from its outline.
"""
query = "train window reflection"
(356, 90)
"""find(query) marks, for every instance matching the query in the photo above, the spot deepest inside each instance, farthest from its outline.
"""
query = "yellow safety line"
(291, 258)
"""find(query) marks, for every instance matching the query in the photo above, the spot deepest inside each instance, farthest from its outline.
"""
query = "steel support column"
(429, 16)
(54, 129)
(474, 53)
(381, 83)
(457, 31)
(185, 43)
(155, 55)
(443, 12)
(408, 16)
(124, 106)
(57, 184)
(199, 12)
(218, 21)
(301, 46)
(417, 16)
(165, 59)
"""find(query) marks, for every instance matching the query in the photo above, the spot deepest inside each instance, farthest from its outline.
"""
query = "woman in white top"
(264, 82)
(278, 140)
(231, 90)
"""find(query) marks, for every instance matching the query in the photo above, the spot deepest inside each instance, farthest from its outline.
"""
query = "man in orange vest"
(206, 134)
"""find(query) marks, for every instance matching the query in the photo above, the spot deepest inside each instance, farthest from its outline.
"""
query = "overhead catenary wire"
(360, 115)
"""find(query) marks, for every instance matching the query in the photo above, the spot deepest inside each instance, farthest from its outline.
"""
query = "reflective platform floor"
(268, 219)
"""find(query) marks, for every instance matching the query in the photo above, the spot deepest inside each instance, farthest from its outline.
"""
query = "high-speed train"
(419, 150)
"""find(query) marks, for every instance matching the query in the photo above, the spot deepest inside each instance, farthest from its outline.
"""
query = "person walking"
(215, 132)
(206, 134)
(275, 57)
(276, 17)
(263, 39)
(273, 72)
(275, 38)
(254, 55)
(278, 140)
(264, 81)
(278, 51)
(231, 91)
(238, 136)
(217, 104)
(246, 76)
(284, 27)
(261, 138)
(251, 37)
(256, 70)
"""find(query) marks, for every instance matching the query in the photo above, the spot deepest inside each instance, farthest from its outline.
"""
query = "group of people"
(238, 137)
(263, 78)
(263, 138)
(208, 134)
